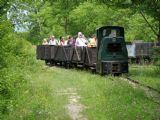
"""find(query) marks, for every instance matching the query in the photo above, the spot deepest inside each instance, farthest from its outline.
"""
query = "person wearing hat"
(80, 40)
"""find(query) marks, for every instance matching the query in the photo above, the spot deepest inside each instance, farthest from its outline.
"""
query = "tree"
(152, 8)
(63, 17)
(137, 29)
(18, 15)
(3, 7)
(49, 17)
(149, 7)
(88, 16)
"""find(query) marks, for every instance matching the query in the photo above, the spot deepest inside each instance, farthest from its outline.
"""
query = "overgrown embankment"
(17, 63)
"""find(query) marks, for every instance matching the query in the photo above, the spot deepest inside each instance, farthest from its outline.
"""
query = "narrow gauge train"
(109, 57)
(140, 52)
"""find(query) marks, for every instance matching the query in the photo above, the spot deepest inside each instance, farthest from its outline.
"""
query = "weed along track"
(143, 85)
(150, 91)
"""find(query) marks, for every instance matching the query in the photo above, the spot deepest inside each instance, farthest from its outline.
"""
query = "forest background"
(24, 23)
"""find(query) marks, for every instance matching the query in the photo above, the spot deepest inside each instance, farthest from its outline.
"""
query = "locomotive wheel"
(93, 70)
(116, 74)
(66, 65)
(47, 62)
(52, 63)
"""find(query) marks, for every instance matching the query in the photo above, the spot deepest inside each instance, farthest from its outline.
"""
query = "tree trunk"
(66, 25)
(154, 31)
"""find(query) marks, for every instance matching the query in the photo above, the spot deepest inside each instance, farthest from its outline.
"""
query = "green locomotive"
(112, 56)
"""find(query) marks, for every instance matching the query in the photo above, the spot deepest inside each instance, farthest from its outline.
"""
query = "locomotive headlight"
(114, 54)
(106, 65)
(113, 39)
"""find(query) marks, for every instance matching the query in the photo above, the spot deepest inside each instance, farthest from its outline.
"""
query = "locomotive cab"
(112, 56)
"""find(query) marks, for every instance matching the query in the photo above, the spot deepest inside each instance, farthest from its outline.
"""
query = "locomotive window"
(114, 47)
(106, 32)
(111, 32)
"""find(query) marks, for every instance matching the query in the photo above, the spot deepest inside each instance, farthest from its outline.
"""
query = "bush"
(156, 58)
(17, 60)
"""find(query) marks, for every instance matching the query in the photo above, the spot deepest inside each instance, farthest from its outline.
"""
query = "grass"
(145, 74)
(38, 100)
(104, 97)
(109, 98)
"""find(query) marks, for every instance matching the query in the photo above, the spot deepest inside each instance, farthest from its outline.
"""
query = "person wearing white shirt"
(52, 40)
(80, 41)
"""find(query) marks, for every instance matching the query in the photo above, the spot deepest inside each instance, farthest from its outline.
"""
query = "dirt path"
(74, 108)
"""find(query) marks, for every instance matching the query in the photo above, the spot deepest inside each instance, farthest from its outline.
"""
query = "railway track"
(151, 92)
(141, 84)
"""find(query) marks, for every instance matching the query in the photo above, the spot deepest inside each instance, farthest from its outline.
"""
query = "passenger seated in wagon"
(62, 41)
(70, 40)
(81, 40)
(52, 40)
(45, 42)
(92, 41)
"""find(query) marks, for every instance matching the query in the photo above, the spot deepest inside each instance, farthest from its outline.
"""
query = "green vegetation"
(61, 18)
(156, 59)
(105, 98)
(149, 7)
(146, 74)
(29, 90)
(38, 99)
(17, 62)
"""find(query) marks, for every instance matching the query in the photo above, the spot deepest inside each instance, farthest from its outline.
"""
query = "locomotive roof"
(116, 27)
